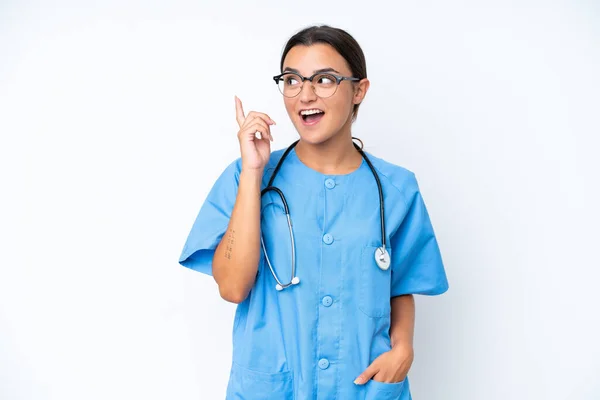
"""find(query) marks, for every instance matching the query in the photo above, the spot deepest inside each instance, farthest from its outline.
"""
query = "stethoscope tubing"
(270, 187)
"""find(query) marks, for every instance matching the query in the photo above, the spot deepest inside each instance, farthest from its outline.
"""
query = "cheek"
(289, 106)
(342, 105)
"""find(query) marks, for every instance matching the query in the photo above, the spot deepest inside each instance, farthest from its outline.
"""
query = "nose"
(307, 93)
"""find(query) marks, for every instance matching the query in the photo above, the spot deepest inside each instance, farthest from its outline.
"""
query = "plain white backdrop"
(117, 117)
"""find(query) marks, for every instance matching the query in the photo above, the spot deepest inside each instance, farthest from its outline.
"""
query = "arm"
(236, 258)
(401, 333)
(402, 321)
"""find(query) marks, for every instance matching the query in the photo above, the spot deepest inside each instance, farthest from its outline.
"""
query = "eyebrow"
(317, 71)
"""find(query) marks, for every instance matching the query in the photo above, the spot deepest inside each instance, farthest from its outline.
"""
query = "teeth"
(310, 112)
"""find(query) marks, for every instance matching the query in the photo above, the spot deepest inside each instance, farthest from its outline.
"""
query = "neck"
(335, 156)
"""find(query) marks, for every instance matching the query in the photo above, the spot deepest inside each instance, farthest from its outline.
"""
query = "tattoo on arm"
(229, 244)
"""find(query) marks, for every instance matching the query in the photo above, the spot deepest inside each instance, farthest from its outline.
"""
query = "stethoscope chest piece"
(382, 258)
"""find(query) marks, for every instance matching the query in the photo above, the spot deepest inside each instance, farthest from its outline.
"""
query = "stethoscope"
(382, 257)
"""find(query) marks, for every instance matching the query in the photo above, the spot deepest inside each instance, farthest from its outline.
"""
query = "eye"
(325, 79)
(290, 79)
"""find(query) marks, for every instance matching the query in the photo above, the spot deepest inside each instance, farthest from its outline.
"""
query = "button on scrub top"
(311, 340)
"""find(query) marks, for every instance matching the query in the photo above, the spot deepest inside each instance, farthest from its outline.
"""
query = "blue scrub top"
(311, 340)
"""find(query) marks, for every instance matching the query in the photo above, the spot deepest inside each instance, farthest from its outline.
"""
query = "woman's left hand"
(390, 367)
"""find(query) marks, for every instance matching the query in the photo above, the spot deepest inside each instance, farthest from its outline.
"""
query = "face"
(336, 116)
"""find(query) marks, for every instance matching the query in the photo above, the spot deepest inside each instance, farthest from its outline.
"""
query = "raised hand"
(254, 136)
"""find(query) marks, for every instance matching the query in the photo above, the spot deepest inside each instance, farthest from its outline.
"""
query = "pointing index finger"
(239, 112)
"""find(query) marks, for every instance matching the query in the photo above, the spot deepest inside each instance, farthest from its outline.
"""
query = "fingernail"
(357, 381)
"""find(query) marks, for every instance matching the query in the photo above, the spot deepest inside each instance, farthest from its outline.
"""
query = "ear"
(360, 90)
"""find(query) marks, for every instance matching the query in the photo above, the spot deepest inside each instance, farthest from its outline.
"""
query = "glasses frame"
(338, 80)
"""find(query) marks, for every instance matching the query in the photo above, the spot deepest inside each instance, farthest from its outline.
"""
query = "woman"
(325, 307)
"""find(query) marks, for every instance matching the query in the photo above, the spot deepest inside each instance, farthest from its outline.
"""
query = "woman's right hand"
(255, 152)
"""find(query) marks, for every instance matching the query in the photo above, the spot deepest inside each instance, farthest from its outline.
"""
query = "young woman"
(325, 261)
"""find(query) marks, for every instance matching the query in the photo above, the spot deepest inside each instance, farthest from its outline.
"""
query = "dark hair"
(337, 38)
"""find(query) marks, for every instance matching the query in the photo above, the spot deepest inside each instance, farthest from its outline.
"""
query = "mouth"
(311, 116)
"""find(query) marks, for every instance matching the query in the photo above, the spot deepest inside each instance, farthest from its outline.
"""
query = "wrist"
(252, 175)
(401, 343)
(404, 349)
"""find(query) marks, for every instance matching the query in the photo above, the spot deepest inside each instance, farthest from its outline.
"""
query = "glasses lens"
(325, 85)
(289, 84)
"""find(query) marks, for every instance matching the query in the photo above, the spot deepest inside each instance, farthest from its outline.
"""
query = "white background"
(117, 118)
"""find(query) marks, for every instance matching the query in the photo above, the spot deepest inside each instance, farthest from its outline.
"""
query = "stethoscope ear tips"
(295, 281)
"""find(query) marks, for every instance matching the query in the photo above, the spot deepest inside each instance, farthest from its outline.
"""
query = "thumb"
(367, 374)
(239, 112)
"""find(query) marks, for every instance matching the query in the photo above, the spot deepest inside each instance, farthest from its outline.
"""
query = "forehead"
(307, 59)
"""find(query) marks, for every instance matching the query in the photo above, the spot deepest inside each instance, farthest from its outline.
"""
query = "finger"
(367, 374)
(264, 116)
(268, 136)
(239, 112)
(252, 119)
(261, 127)
(265, 129)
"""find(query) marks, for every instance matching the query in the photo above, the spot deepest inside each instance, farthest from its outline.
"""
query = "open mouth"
(311, 117)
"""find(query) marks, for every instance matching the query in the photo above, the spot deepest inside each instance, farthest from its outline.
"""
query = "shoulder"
(396, 177)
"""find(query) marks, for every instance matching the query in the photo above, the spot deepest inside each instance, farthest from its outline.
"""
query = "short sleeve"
(212, 221)
(417, 266)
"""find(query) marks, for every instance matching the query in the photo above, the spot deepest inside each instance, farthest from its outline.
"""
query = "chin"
(314, 135)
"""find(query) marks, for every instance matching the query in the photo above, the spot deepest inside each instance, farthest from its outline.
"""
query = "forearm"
(236, 258)
(402, 320)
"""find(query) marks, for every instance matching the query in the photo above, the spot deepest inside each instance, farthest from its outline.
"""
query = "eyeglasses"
(323, 84)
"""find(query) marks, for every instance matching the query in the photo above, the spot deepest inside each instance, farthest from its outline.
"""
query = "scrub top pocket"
(375, 285)
(376, 390)
(246, 384)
